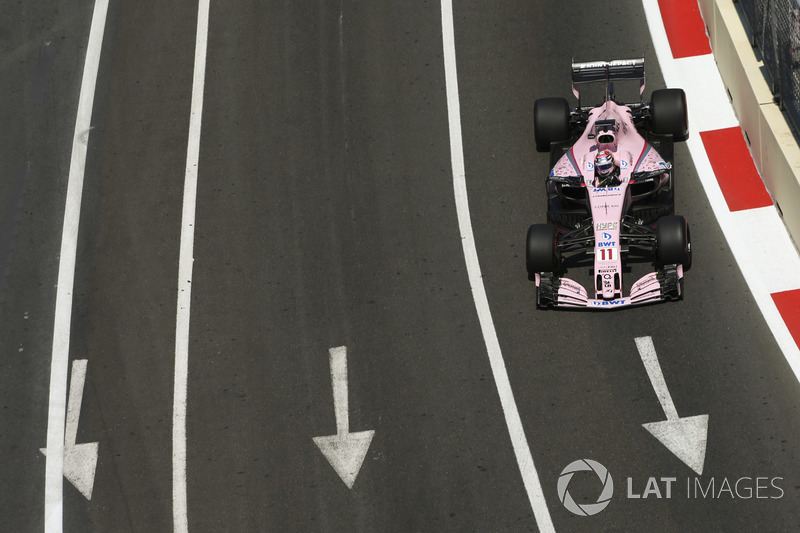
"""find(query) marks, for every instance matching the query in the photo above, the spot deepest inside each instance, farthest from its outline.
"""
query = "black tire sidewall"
(550, 122)
(673, 242)
(668, 113)
(540, 249)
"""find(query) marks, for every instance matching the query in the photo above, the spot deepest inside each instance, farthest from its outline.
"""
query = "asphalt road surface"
(326, 217)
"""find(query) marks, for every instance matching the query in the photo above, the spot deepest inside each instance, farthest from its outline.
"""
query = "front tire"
(541, 249)
(673, 242)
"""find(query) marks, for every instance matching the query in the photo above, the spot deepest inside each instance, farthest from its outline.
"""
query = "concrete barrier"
(775, 150)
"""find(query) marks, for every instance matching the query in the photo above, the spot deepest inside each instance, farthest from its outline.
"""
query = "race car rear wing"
(607, 71)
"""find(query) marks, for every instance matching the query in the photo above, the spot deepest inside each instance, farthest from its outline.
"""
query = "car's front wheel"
(673, 242)
(541, 249)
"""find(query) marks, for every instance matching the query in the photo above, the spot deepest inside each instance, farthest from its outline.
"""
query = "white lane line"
(516, 431)
(56, 413)
(180, 517)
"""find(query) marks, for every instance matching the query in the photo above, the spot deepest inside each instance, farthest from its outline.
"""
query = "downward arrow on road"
(685, 437)
(345, 451)
(80, 460)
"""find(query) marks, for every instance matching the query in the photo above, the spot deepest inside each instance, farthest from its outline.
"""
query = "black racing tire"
(668, 113)
(673, 242)
(541, 252)
(550, 122)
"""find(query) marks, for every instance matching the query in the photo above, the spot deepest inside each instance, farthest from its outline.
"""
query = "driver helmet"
(604, 163)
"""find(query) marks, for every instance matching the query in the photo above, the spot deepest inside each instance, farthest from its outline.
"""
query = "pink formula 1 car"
(610, 194)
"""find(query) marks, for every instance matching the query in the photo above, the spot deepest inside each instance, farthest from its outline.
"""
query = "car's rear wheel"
(673, 242)
(541, 252)
(550, 122)
(668, 113)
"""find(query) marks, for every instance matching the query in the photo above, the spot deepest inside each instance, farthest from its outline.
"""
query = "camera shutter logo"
(587, 509)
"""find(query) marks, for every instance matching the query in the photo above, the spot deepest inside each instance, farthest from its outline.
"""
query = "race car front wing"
(664, 284)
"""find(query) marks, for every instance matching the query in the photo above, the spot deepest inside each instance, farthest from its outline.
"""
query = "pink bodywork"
(608, 206)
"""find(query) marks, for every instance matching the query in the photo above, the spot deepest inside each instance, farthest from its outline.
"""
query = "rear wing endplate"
(606, 71)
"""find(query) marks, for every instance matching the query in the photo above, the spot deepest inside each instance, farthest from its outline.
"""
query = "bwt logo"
(606, 303)
(587, 509)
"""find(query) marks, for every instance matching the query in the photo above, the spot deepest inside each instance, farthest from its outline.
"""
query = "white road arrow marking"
(345, 451)
(685, 437)
(80, 460)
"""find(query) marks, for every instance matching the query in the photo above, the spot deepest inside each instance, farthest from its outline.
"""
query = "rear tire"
(673, 242)
(541, 252)
(668, 114)
(550, 122)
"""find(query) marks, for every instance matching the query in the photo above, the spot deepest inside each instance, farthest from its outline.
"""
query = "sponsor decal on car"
(606, 225)
(571, 285)
(606, 206)
(604, 303)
